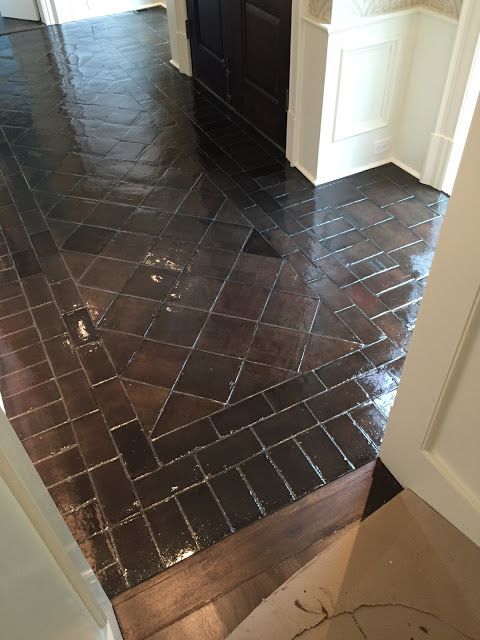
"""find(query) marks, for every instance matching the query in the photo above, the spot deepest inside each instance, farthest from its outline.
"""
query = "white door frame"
(437, 353)
(47, 11)
(24, 483)
(179, 43)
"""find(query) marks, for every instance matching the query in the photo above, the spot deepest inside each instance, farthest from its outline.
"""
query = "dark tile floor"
(192, 335)
(10, 25)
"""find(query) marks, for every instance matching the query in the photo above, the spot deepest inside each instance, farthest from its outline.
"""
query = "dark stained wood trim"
(191, 584)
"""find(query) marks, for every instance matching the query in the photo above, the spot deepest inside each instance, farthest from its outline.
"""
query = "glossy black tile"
(266, 483)
(204, 515)
(176, 301)
(93, 439)
(88, 239)
(241, 414)
(228, 452)
(168, 481)
(351, 440)
(137, 551)
(297, 470)
(237, 499)
(135, 449)
(185, 440)
(284, 424)
(171, 533)
(114, 491)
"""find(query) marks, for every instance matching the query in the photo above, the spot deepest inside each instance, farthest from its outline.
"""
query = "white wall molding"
(436, 162)
(295, 80)
(329, 11)
(307, 86)
(383, 57)
(424, 89)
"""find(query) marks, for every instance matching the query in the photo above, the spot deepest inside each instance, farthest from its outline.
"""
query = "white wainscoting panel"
(357, 110)
(368, 92)
(367, 68)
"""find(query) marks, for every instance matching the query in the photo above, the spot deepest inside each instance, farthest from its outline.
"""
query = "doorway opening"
(194, 334)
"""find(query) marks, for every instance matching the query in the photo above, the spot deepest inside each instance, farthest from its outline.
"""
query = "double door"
(241, 52)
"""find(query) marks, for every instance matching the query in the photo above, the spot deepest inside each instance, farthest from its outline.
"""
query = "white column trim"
(179, 43)
(48, 13)
(456, 89)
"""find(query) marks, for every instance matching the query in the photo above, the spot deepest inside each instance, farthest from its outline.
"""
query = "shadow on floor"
(11, 25)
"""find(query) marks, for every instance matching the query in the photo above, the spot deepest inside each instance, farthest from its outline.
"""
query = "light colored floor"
(405, 573)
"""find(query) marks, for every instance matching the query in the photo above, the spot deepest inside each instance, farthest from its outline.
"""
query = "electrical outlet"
(382, 146)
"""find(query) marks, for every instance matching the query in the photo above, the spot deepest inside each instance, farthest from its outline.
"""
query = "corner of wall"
(423, 91)
(368, 92)
(179, 44)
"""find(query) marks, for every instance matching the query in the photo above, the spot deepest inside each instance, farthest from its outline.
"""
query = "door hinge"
(287, 100)
(188, 29)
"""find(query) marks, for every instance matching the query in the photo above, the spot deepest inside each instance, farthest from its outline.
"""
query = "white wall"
(47, 588)
(179, 44)
(423, 91)
(373, 80)
(367, 68)
(60, 11)
(36, 600)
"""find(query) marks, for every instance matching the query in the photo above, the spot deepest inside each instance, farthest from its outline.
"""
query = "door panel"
(207, 43)
(432, 439)
(261, 39)
(261, 63)
(241, 51)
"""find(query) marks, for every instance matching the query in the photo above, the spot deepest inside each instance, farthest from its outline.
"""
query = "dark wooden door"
(241, 51)
(260, 63)
(207, 31)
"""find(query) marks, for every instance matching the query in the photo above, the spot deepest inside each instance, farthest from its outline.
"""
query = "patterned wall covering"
(322, 9)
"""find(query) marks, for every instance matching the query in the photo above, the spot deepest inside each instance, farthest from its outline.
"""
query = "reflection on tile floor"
(192, 334)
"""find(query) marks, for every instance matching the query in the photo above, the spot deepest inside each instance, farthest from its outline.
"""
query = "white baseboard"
(324, 179)
(372, 165)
